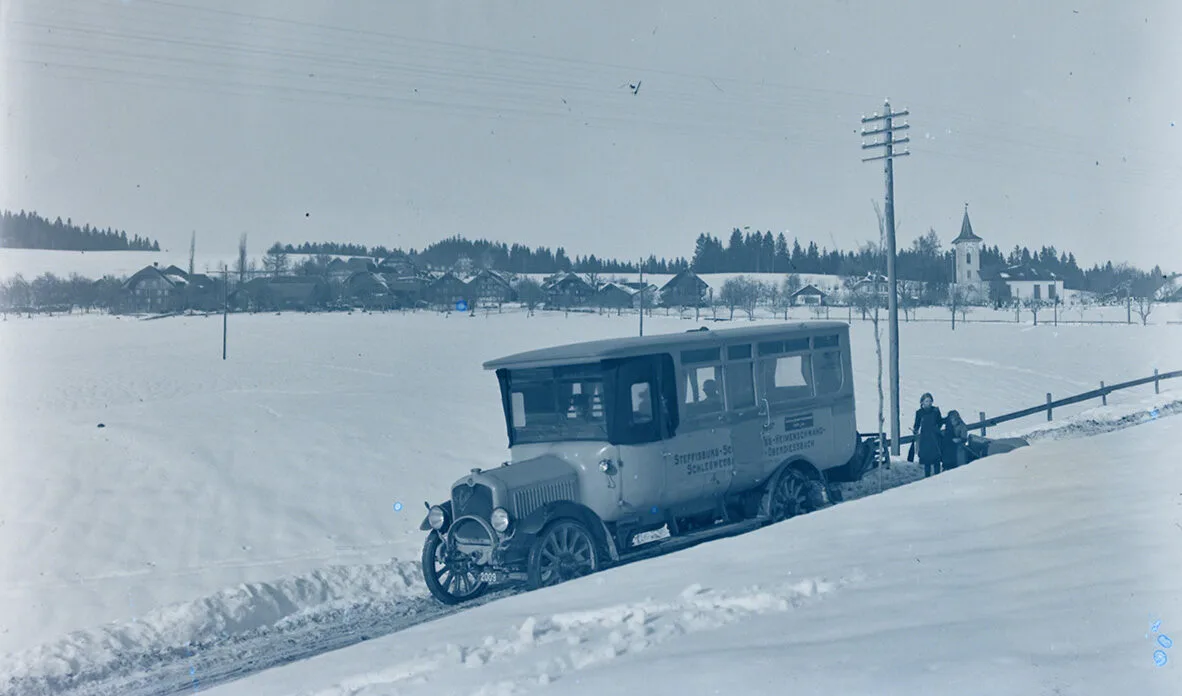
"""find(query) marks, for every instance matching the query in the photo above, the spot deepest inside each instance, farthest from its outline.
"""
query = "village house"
(809, 295)
(282, 292)
(490, 287)
(398, 264)
(446, 290)
(170, 290)
(339, 270)
(615, 296)
(643, 291)
(1029, 283)
(686, 289)
(567, 290)
(151, 290)
(369, 289)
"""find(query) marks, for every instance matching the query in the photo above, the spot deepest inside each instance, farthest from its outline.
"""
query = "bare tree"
(731, 294)
(242, 268)
(276, 261)
(1082, 302)
(1033, 305)
(955, 301)
(772, 292)
(753, 292)
(192, 250)
(463, 267)
(593, 278)
(1143, 305)
(909, 291)
(883, 459)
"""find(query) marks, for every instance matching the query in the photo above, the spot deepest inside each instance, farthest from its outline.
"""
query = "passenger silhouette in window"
(713, 401)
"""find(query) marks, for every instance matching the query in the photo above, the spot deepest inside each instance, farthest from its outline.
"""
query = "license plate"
(488, 576)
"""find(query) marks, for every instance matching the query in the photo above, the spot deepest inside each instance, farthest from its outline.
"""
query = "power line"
(532, 61)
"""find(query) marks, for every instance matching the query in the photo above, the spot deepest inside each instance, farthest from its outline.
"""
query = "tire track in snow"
(560, 645)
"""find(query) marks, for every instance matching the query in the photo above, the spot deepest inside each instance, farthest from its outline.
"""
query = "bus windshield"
(556, 404)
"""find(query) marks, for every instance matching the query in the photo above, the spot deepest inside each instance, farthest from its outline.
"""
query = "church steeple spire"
(966, 229)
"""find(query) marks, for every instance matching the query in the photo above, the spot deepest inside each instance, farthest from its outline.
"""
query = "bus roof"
(594, 351)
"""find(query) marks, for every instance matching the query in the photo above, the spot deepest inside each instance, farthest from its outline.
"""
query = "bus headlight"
(499, 519)
(436, 517)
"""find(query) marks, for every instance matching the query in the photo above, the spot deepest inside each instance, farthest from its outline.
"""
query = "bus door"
(785, 390)
(748, 423)
(698, 459)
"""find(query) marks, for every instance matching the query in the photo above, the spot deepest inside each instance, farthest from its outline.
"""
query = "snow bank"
(231, 615)
(1036, 571)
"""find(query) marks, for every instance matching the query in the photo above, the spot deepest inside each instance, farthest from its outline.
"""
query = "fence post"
(1103, 394)
(1156, 382)
(982, 414)
(1048, 405)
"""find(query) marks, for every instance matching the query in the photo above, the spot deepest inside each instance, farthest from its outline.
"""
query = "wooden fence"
(1049, 407)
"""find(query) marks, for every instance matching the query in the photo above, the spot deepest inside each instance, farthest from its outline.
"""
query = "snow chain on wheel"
(789, 496)
(450, 585)
(564, 550)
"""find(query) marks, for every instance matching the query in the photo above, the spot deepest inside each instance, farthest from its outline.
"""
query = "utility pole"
(888, 142)
(642, 288)
(225, 305)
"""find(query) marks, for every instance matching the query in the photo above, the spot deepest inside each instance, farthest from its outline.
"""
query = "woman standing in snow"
(927, 435)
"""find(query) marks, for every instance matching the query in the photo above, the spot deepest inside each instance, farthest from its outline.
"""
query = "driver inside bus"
(581, 405)
(713, 401)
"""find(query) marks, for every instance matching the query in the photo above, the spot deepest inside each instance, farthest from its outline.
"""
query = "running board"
(678, 543)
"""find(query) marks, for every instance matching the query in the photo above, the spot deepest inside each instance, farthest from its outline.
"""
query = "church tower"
(968, 255)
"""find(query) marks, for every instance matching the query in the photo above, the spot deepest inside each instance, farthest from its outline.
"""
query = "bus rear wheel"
(565, 550)
(788, 496)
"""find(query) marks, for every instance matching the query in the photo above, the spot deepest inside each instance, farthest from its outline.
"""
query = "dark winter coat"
(927, 434)
(955, 441)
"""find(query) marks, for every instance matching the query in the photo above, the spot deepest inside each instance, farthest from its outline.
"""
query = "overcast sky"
(405, 122)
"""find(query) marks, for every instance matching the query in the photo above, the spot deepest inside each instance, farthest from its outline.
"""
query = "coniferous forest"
(26, 230)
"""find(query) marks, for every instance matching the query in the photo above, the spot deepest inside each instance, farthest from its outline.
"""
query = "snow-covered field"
(225, 501)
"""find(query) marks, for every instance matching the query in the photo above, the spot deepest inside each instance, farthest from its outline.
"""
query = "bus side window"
(703, 387)
(827, 371)
(740, 385)
(642, 403)
(786, 377)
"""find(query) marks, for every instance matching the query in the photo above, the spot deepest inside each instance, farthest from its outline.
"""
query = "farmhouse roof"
(1026, 272)
(809, 289)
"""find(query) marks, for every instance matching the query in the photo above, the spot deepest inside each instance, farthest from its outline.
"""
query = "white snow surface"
(1035, 572)
(254, 495)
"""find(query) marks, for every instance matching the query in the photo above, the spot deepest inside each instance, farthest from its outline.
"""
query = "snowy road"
(179, 671)
(169, 672)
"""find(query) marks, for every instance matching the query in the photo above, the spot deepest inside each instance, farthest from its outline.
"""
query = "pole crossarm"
(891, 156)
(892, 129)
(885, 117)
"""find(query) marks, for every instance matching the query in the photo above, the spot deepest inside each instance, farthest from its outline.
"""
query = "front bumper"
(497, 557)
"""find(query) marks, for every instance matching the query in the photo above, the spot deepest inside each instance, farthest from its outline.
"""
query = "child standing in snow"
(927, 435)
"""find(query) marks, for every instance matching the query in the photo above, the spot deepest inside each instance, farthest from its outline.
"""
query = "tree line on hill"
(28, 230)
(924, 261)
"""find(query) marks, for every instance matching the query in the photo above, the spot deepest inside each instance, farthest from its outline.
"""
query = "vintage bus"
(703, 433)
